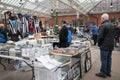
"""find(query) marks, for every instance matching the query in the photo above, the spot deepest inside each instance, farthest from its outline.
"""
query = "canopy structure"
(48, 7)
(107, 6)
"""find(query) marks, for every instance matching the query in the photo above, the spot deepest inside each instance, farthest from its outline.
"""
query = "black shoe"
(100, 75)
(109, 75)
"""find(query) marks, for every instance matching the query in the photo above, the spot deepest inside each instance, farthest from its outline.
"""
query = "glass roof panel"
(12, 2)
(63, 6)
(32, 1)
(45, 6)
(104, 6)
(44, 10)
(35, 1)
(88, 4)
(29, 5)
(81, 1)
(40, 0)
(39, 9)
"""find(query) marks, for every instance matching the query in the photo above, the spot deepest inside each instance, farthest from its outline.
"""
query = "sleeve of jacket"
(101, 35)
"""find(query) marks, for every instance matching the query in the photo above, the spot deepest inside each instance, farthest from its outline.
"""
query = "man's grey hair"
(105, 16)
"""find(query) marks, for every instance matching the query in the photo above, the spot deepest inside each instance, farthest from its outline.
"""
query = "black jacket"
(63, 37)
(106, 36)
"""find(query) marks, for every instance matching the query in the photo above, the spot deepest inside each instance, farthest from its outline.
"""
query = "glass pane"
(29, 6)
(12, 2)
(32, 1)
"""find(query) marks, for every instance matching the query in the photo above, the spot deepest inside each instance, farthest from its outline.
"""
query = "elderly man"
(106, 44)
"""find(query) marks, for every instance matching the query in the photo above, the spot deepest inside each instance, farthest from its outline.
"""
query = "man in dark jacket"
(64, 35)
(106, 44)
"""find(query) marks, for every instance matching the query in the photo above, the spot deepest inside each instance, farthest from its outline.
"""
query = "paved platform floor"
(96, 65)
(11, 74)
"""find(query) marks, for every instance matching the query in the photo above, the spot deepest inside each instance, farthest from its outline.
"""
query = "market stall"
(51, 64)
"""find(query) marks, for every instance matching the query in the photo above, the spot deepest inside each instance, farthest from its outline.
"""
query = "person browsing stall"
(65, 35)
(94, 32)
(106, 44)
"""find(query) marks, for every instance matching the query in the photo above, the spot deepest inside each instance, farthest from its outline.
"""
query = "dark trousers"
(106, 61)
(115, 42)
(95, 39)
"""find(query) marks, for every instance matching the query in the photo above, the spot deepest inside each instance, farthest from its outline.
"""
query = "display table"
(74, 60)
(65, 55)
(21, 59)
(83, 63)
(66, 71)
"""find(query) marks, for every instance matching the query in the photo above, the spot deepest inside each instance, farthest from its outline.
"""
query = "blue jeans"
(31, 33)
(106, 61)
